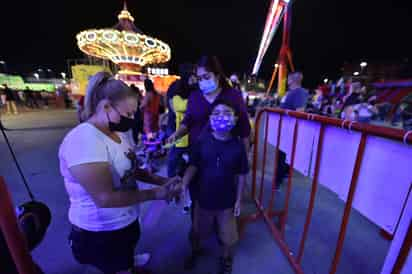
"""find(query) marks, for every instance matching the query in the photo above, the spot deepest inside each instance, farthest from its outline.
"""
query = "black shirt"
(218, 163)
(171, 117)
(9, 94)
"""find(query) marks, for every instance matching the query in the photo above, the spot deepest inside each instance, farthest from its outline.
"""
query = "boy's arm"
(240, 187)
(238, 204)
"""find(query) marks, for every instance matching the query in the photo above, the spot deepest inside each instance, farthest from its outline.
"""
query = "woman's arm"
(189, 175)
(96, 178)
(153, 179)
(182, 131)
(246, 142)
(171, 107)
(244, 122)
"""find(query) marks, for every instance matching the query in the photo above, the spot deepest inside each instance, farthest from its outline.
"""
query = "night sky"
(325, 32)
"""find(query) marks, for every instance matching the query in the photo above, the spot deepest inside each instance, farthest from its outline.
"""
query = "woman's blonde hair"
(102, 86)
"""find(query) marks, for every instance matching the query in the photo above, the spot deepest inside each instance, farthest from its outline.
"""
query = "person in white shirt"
(100, 175)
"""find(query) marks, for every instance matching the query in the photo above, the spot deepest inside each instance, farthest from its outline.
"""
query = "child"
(220, 163)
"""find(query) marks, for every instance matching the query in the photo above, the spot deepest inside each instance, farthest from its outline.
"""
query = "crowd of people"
(12, 100)
(346, 99)
(350, 101)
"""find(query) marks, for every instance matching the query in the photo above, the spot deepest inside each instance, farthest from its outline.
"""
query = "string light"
(123, 47)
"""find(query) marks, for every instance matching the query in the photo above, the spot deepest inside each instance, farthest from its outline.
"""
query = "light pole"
(363, 66)
(63, 74)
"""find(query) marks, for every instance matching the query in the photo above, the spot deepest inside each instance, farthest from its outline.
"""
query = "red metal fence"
(14, 238)
(268, 213)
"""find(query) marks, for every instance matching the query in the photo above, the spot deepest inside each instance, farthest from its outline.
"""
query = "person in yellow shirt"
(178, 153)
(179, 106)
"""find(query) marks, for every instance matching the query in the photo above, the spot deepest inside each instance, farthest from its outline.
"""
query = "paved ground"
(36, 137)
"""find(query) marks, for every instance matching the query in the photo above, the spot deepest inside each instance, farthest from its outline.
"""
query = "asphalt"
(35, 137)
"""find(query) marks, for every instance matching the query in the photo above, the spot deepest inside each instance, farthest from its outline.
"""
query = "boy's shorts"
(205, 222)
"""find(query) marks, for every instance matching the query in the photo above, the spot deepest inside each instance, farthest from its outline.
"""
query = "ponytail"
(102, 86)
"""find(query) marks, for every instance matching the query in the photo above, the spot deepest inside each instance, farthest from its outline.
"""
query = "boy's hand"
(174, 189)
(237, 208)
(173, 181)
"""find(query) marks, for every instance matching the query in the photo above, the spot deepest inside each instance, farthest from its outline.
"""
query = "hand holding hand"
(174, 181)
(174, 189)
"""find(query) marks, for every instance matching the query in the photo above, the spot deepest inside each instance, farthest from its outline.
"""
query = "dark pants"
(283, 168)
(176, 165)
(31, 103)
(137, 129)
(67, 103)
(383, 110)
(365, 120)
(109, 251)
(171, 123)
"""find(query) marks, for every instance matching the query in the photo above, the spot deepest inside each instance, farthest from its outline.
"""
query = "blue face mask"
(208, 86)
(222, 123)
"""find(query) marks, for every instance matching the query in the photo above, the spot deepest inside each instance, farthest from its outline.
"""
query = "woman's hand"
(170, 190)
(237, 208)
(172, 139)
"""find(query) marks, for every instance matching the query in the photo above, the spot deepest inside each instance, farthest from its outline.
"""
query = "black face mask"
(124, 125)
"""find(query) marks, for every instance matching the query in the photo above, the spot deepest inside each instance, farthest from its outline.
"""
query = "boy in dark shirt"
(220, 163)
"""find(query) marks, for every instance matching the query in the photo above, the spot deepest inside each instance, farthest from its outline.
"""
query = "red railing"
(268, 213)
(14, 238)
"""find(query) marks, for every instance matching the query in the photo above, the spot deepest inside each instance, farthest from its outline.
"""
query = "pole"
(272, 80)
(285, 52)
(14, 238)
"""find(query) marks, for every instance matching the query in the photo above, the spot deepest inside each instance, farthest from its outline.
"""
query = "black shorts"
(109, 251)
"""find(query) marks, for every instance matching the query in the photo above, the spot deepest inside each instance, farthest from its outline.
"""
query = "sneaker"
(191, 261)
(142, 259)
(225, 265)
(186, 210)
(139, 270)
